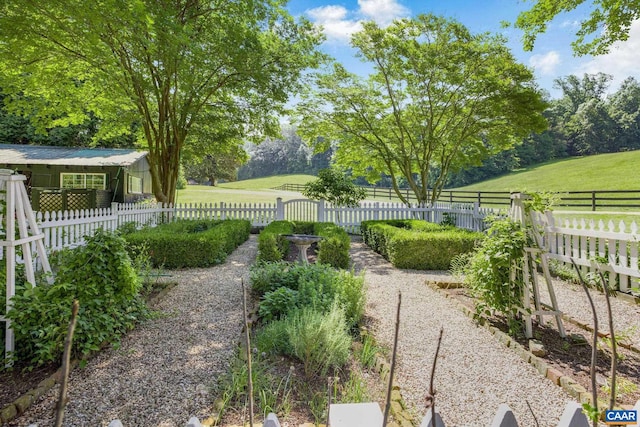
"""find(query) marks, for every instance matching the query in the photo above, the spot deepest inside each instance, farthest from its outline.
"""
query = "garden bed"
(571, 356)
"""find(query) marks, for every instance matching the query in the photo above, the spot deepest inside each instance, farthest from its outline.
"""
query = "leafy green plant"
(100, 275)
(489, 273)
(366, 354)
(354, 389)
(187, 243)
(276, 304)
(448, 219)
(334, 187)
(319, 340)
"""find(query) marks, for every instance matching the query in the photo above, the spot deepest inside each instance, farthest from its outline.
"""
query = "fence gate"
(300, 210)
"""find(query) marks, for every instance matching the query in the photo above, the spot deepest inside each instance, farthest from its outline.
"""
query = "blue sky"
(551, 58)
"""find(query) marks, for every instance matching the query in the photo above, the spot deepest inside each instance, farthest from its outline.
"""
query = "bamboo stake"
(387, 406)
(247, 341)
(66, 361)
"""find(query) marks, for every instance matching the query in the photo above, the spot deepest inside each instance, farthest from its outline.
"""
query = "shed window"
(135, 185)
(97, 181)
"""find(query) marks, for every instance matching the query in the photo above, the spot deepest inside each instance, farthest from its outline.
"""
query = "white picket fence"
(581, 240)
(585, 240)
(68, 228)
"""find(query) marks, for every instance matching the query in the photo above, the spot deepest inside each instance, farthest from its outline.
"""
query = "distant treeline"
(585, 120)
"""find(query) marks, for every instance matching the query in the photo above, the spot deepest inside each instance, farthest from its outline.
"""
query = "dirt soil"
(572, 355)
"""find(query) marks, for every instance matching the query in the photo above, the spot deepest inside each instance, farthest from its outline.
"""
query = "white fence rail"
(578, 239)
(616, 245)
(63, 229)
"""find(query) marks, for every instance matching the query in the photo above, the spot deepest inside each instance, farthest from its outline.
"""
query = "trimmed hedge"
(187, 243)
(418, 245)
(332, 250)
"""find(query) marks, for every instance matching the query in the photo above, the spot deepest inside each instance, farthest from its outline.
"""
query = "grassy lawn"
(617, 171)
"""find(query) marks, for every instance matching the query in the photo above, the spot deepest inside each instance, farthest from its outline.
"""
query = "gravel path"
(160, 375)
(475, 373)
(573, 301)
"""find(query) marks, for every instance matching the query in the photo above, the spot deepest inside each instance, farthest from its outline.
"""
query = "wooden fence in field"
(593, 200)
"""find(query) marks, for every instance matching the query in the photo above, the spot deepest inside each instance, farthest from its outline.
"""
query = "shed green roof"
(17, 154)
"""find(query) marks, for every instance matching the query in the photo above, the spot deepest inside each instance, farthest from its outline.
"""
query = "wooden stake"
(432, 391)
(387, 405)
(66, 361)
(594, 348)
(247, 341)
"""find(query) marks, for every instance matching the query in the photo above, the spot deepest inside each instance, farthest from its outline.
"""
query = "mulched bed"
(572, 356)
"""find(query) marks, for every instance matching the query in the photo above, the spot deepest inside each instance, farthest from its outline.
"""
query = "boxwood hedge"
(188, 243)
(416, 244)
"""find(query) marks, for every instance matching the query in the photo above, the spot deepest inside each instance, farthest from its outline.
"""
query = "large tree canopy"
(439, 99)
(169, 65)
(610, 21)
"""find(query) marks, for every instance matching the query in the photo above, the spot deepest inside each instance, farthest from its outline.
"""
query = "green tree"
(167, 65)
(609, 22)
(439, 99)
(334, 187)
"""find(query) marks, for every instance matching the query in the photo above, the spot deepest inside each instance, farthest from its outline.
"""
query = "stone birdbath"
(302, 242)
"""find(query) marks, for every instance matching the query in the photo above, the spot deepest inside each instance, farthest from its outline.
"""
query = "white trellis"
(536, 252)
(18, 229)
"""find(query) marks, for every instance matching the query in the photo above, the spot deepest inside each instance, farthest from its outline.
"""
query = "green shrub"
(313, 285)
(184, 243)
(272, 246)
(320, 340)
(430, 250)
(100, 276)
(275, 304)
(334, 248)
(488, 274)
(418, 244)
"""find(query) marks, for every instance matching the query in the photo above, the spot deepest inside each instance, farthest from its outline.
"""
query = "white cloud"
(545, 64)
(382, 11)
(570, 24)
(335, 22)
(339, 23)
(621, 61)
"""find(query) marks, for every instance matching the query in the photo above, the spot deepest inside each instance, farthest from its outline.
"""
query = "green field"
(617, 171)
(248, 191)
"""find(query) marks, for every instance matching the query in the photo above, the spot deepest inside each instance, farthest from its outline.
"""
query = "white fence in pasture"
(584, 241)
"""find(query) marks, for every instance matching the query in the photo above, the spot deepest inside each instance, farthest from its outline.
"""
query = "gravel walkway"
(160, 375)
(573, 301)
(475, 373)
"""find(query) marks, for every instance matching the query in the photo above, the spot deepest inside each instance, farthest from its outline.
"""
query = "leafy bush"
(276, 304)
(311, 285)
(430, 250)
(185, 243)
(334, 248)
(418, 244)
(489, 269)
(100, 276)
(272, 246)
(319, 340)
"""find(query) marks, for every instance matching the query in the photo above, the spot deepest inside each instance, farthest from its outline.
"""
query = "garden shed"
(66, 178)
